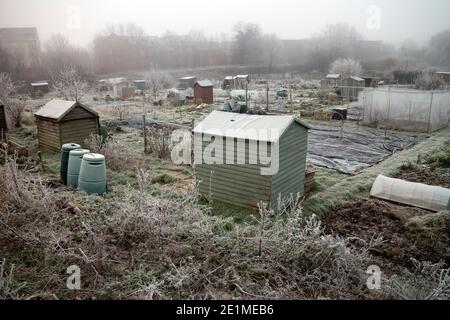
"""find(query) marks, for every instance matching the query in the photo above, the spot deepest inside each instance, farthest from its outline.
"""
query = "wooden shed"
(234, 176)
(186, 82)
(3, 124)
(39, 88)
(444, 76)
(60, 122)
(351, 87)
(203, 92)
(241, 81)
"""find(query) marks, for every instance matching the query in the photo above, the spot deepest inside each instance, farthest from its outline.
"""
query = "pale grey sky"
(290, 19)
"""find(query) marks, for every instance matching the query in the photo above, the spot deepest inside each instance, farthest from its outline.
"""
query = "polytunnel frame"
(388, 123)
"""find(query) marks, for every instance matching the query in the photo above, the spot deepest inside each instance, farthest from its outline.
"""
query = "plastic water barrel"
(73, 168)
(92, 179)
(65, 150)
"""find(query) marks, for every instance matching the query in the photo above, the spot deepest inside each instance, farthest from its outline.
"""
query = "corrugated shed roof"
(205, 83)
(357, 78)
(244, 126)
(333, 76)
(57, 109)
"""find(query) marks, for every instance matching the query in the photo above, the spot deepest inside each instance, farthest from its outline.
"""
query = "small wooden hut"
(203, 92)
(60, 122)
(351, 87)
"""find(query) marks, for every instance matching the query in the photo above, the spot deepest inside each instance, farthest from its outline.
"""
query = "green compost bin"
(65, 151)
(92, 179)
(73, 168)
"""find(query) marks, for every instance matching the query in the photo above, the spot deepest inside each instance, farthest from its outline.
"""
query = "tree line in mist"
(125, 48)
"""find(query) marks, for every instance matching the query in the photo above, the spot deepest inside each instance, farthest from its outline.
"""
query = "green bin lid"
(94, 157)
(70, 146)
(79, 152)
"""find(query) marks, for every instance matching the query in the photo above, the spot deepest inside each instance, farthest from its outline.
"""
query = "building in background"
(140, 84)
(332, 80)
(351, 87)
(186, 82)
(241, 81)
(39, 88)
(444, 76)
(23, 45)
(203, 92)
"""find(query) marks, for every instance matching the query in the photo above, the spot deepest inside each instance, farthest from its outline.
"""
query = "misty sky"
(290, 19)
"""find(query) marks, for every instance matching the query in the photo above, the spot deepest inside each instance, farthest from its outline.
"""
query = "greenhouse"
(409, 110)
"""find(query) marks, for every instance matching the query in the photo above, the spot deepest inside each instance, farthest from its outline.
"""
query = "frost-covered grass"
(137, 244)
(143, 241)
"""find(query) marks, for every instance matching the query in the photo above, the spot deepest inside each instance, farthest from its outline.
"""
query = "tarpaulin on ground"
(359, 148)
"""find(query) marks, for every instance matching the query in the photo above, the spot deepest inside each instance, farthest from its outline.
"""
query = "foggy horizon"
(398, 21)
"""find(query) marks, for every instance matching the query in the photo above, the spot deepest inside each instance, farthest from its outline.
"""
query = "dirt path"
(183, 180)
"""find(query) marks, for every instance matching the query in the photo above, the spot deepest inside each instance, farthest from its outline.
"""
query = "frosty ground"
(152, 236)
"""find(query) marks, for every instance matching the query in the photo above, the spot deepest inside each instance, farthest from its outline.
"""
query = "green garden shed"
(226, 146)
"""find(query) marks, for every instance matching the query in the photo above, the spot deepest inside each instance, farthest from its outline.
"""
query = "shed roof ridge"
(227, 124)
(66, 107)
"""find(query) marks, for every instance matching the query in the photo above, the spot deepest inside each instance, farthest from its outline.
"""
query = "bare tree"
(68, 83)
(428, 81)
(14, 106)
(272, 46)
(248, 43)
(15, 109)
(59, 52)
(335, 41)
(121, 111)
(439, 49)
(7, 86)
(157, 81)
(346, 67)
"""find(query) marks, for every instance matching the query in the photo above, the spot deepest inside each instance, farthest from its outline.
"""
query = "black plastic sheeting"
(358, 149)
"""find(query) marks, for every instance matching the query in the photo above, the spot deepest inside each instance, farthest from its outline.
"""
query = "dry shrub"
(9, 289)
(132, 243)
(118, 156)
(15, 109)
(121, 111)
(427, 281)
(159, 144)
(28, 119)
